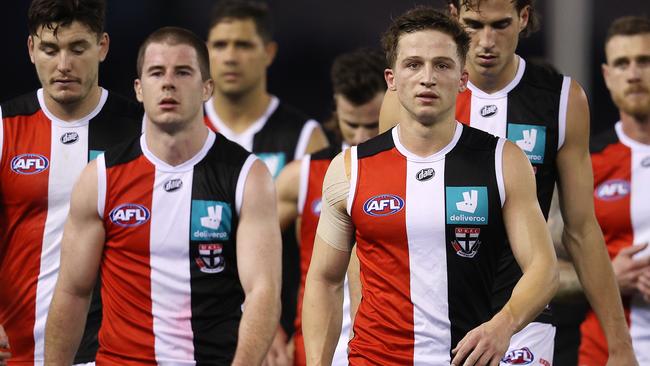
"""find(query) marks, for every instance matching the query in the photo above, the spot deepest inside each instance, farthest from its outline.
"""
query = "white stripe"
(66, 164)
(305, 136)
(101, 184)
(496, 124)
(241, 181)
(354, 171)
(171, 295)
(341, 350)
(69, 124)
(425, 230)
(1, 133)
(561, 118)
(304, 181)
(498, 169)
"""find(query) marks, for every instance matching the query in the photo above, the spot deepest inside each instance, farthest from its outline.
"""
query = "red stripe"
(23, 199)
(464, 106)
(209, 123)
(127, 325)
(383, 328)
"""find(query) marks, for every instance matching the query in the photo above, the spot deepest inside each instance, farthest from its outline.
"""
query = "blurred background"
(311, 33)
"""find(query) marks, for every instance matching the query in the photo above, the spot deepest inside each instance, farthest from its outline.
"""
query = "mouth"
(168, 103)
(636, 91)
(65, 81)
(486, 58)
(427, 97)
(229, 76)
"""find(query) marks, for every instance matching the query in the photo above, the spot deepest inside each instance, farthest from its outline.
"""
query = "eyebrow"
(476, 21)
(177, 67)
(81, 42)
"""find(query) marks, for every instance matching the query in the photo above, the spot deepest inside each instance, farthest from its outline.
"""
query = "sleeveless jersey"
(621, 179)
(531, 112)
(41, 157)
(170, 283)
(429, 234)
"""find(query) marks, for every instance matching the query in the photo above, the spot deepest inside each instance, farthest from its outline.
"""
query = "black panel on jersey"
(24, 105)
(376, 145)
(123, 153)
(119, 120)
(327, 153)
(600, 141)
(534, 101)
(217, 297)
(471, 164)
(281, 132)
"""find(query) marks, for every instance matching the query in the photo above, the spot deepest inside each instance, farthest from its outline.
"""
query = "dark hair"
(53, 14)
(533, 18)
(359, 75)
(177, 36)
(628, 26)
(257, 11)
(424, 18)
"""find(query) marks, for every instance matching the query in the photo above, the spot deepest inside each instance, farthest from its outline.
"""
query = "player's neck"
(638, 129)
(493, 82)
(240, 112)
(74, 111)
(425, 140)
(176, 147)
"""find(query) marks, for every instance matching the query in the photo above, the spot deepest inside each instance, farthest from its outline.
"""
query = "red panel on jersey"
(464, 106)
(383, 327)
(24, 173)
(125, 270)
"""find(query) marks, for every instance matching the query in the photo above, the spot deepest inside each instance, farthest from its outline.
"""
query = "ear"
(137, 86)
(464, 78)
(271, 49)
(30, 47)
(524, 16)
(453, 11)
(104, 42)
(389, 75)
(208, 87)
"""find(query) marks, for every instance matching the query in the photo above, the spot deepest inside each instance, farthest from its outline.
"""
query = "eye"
(442, 66)
(78, 50)
(49, 51)
(413, 65)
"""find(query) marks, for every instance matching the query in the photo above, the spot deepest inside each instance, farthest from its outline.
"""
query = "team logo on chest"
(489, 110)
(425, 174)
(210, 259)
(531, 139)
(467, 205)
(28, 164)
(612, 190)
(316, 206)
(646, 162)
(467, 243)
(211, 221)
(69, 138)
(521, 356)
(383, 205)
(172, 185)
(129, 215)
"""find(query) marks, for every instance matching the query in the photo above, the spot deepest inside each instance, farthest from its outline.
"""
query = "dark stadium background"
(310, 34)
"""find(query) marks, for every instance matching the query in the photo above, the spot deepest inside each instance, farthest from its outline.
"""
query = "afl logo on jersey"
(612, 190)
(425, 174)
(69, 138)
(521, 356)
(28, 164)
(383, 205)
(173, 185)
(129, 215)
(489, 110)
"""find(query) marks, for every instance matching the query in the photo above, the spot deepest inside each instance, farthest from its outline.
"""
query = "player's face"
(238, 57)
(170, 87)
(358, 123)
(494, 26)
(627, 73)
(67, 63)
(427, 75)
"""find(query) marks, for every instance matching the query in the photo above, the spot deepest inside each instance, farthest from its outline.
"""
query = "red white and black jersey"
(40, 159)
(429, 234)
(531, 112)
(621, 198)
(170, 284)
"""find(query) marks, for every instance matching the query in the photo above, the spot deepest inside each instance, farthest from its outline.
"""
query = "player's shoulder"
(376, 145)
(226, 151)
(123, 153)
(24, 105)
(542, 75)
(475, 139)
(288, 115)
(327, 153)
(119, 105)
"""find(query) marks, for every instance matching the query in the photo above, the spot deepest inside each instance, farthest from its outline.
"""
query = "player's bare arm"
(582, 236)
(5, 351)
(259, 257)
(533, 249)
(322, 305)
(288, 189)
(81, 252)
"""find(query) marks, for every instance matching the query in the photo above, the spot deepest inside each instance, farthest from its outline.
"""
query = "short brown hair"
(628, 26)
(256, 11)
(533, 18)
(177, 36)
(53, 14)
(424, 18)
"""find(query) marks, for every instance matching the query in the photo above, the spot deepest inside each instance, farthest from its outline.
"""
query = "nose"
(486, 38)
(230, 54)
(168, 81)
(428, 76)
(634, 72)
(65, 64)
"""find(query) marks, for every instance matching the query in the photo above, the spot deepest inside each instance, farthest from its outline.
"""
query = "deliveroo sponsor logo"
(211, 221)
(467, 205)
(531, 139)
